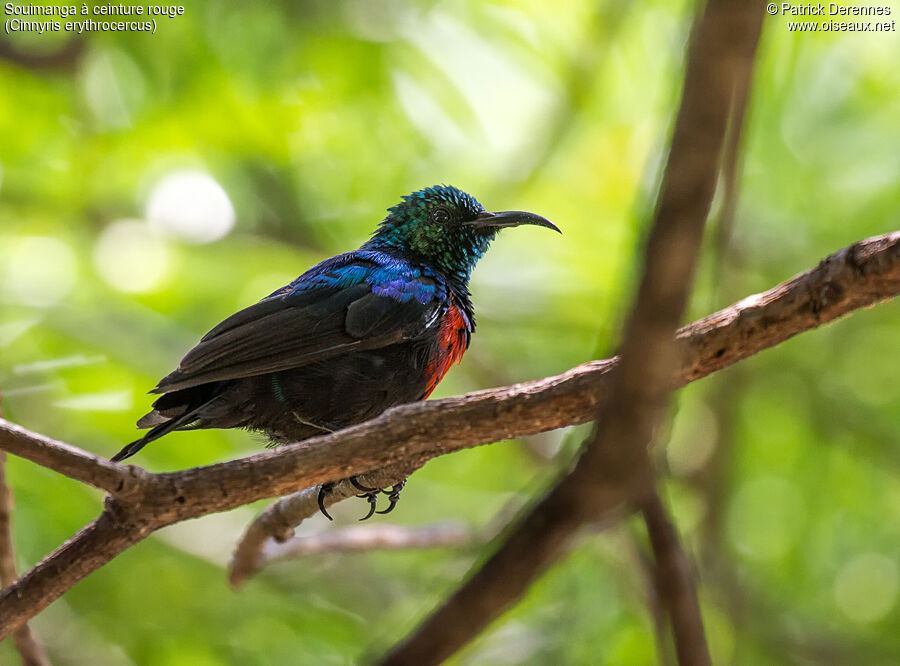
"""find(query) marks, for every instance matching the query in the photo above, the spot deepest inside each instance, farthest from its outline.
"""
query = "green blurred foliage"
(312, 118)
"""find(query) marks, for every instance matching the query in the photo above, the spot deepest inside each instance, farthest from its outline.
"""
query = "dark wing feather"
(285, 332)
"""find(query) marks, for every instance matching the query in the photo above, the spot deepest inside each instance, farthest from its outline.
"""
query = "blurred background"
(151, 185)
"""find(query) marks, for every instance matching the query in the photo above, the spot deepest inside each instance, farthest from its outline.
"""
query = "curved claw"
(390, 507)
(356, 484)
(395, 489)
(393, 495)
(373, 499)
(324, 488)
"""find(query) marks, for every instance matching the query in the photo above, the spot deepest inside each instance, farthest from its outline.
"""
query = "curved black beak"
(510, 218)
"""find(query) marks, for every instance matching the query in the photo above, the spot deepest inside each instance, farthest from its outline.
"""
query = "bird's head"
(446, 228)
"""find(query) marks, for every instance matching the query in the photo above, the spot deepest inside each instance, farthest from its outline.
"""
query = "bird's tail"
(156, 432)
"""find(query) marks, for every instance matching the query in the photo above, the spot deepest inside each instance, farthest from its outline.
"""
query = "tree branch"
(27, 644)
(675, 583)
(362, 538)
(614, 469)
(112, 532)
(857, 276)
(643, 560)
(280, 518)
(71, 461)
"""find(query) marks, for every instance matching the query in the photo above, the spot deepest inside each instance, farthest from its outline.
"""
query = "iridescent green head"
(445, 228)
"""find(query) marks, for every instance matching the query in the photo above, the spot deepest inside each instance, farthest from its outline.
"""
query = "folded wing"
(315, 320)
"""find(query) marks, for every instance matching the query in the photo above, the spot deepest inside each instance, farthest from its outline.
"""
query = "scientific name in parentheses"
(64, 11)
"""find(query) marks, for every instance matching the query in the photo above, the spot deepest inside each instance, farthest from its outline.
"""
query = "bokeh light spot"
(112, 86)
(764, 518)
(693, 439)
(40, 271)
(190, 205)
(865, 588)
(130, 257)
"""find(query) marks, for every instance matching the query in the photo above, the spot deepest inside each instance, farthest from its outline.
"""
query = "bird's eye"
(440, 215)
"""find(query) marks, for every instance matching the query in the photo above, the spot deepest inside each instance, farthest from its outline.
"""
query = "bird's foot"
(370, 494)
(393, 495)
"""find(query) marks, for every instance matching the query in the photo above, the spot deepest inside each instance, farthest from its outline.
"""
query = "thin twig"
(27, 644)
(857, 276)
(280, 518)
(675, 583)
(70, 460)
(643, 560)
(362, 538)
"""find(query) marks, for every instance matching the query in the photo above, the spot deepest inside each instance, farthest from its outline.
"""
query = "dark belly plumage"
(293, 405)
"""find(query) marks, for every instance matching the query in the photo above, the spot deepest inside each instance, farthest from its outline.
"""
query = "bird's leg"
(393, 495)
(323, 490)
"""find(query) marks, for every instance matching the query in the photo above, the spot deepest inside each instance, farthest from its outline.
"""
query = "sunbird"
(351, 337)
